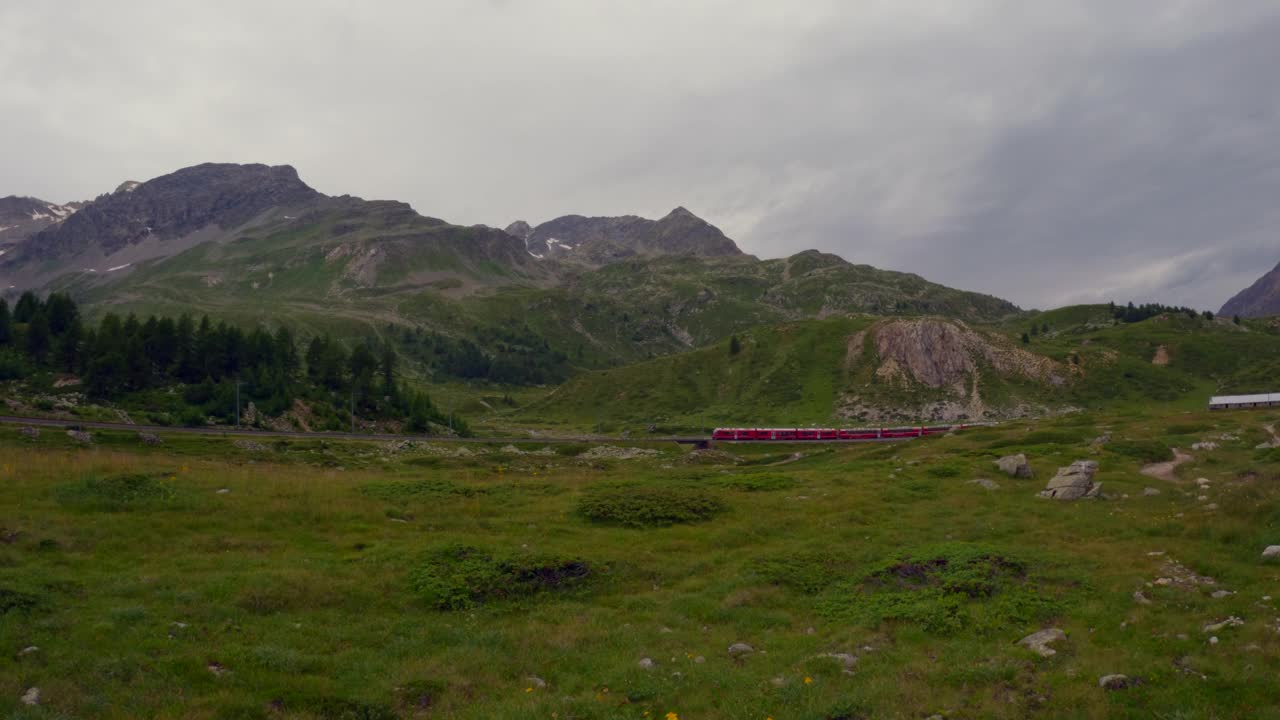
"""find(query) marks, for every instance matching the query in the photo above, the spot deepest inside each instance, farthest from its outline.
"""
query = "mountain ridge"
(1260, 299)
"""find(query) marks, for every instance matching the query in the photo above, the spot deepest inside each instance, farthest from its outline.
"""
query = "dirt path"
(1165, 470)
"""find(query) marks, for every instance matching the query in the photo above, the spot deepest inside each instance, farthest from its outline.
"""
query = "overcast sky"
(1048, 152)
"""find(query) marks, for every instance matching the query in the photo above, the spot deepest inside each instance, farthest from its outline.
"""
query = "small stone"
(1202, 481)
(778, 681)
(1213, 640)
(1219, 594)
(83, 438)
(809, 631)
(666, 630)
(223, 491)
(984, 482)
(1038, 642)
(28, 650)
(31, 696)
(847, 660)
(1272, 551)
(535, 681)
(1150, 492)
(1114, 682)
(217, 668)
(700, 660)
(1164, 581)
(1211, 506)
(646, 664)
(740, 649)
(149, 439)
(1202, 498)
(179, 625)
(677, 674)
(1231, 621)
(1141, 598)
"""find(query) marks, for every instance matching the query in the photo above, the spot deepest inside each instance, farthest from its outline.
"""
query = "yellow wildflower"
(528, 689)
(672, 716)
(808, 680)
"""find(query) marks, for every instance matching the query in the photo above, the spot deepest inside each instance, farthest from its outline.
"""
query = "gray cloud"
(1046, 152)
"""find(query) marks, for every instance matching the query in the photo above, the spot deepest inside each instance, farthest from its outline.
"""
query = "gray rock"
(1115, 682)
(149, 438)
(223, 491)
(1219, 594)
(646, 663)
(1141, 598)
(28, 650)
(700, 660)
(1015, 466)
(988, 484)
(80, 436)
(1038, 642)
(740, 649)
(1150, 492)
(31, 696)
(29, 432)
(847, 661)
(535, 681)
(1204, 446)
(1073, 482)
(1272, 551)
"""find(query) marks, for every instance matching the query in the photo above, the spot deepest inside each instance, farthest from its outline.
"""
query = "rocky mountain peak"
(170, 206)
(520, 229)
(601, 240)
(1260, 299)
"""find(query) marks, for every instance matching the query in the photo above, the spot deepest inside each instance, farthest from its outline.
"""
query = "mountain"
(596, 241)
(22, 217)
(254, 244)
(1258, 300)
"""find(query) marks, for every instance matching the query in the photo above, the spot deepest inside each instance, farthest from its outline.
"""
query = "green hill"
(868, 370)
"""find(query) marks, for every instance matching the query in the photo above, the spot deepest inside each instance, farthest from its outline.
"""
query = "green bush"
(942, 471)
(944, 589)
(806, 572)
(119, 492)
(457, 577)
(754, 483)
(417, 489)
(15, 601)
(640, 507)
(1147, 451)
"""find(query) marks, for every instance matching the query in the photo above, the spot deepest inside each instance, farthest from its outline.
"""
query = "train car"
(859, 434)
(901, 432)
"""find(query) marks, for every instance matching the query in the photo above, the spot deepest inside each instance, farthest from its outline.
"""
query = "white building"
(1240, 402)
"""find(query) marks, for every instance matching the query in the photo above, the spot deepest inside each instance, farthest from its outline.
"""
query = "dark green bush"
(15, 601)
(942, 471)
(457, 577)
(1147, 451)
(649, 507)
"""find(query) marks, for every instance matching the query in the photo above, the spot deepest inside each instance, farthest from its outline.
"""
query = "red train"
(827, 434)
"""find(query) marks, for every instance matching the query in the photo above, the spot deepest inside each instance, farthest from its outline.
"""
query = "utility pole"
(353, 408)
(237, 401)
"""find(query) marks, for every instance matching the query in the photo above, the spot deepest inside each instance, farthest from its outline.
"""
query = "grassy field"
(314, 579)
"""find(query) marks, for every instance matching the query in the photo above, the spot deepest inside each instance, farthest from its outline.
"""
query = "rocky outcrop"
(1015, 466)
(1073, 482)
(1038, 642)
(1258, 300)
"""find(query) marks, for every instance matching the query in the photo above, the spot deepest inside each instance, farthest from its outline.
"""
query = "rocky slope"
(1258, 300)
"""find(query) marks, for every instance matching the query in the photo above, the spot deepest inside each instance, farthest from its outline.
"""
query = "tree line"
(127, 358)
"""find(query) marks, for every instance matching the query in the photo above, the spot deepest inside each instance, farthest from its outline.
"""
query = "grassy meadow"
(320, 579)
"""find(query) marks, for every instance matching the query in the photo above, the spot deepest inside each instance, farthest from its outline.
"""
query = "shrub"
(649, 507)
(806, 572)
(15, 601)
(1147, 451)
(119, 492)
(457, 577)
(943, 471)
(415, 489)
(944, 589)
(755, 483)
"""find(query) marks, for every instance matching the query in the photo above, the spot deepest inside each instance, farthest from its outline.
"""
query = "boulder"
(1272, 551)
(149, 438)
(1038, 642)
(740, 649)
(31, 696)
(1073, 482)
(1015, 466)
(79, 436)
(1150, 492)
(646, 663)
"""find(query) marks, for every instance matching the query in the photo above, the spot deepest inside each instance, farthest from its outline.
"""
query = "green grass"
(343, 579)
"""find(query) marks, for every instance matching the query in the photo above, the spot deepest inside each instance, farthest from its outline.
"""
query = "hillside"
(596, 241)
(1260, 299)
(854, 370)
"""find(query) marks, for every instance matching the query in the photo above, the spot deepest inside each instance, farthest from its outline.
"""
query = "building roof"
(1245, 399)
